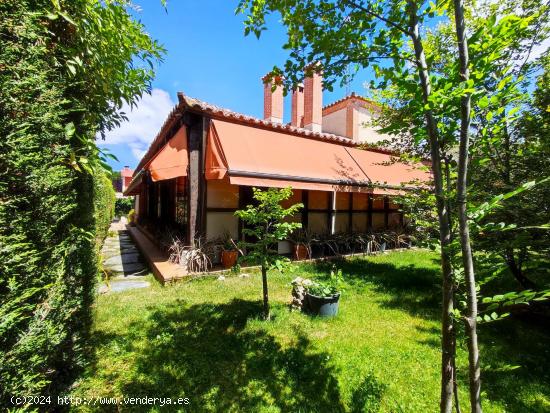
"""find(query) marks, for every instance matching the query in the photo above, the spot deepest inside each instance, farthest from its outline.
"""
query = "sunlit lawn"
(205, 340)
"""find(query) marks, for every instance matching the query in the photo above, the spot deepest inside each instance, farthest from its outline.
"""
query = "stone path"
(122, 260)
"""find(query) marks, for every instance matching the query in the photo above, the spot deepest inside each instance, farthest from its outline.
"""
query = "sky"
(209, 58)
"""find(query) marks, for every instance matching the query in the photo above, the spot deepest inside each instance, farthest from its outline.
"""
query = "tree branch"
(378, 16)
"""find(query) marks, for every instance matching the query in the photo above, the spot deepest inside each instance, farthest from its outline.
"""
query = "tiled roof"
(353, 96)
(216, 111)
(196, 105)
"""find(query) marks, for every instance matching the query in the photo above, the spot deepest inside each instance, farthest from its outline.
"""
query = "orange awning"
(382, 169)
(265, 158)
(172, 160)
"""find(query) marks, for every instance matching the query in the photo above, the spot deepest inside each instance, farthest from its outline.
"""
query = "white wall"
(335, 122)
(367, 134)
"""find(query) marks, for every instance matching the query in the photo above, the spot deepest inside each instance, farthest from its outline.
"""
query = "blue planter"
(323, 306)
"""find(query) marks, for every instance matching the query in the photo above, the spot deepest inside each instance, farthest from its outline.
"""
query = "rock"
(221, 278)
(299, 290)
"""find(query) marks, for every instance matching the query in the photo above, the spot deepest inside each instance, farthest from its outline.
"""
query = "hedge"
(66, 67)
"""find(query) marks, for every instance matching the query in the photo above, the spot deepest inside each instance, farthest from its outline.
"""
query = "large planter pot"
(229, 258)
(323, 306)
(301, 252)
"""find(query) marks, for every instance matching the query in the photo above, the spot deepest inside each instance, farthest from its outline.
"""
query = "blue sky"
(208, 57)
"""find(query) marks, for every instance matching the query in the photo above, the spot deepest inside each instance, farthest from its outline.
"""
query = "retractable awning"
(382, 170)
(172, 160)
(265, 158)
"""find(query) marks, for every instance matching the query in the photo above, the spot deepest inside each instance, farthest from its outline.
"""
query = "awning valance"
(265, 158)
(172, 160)
(134, 188)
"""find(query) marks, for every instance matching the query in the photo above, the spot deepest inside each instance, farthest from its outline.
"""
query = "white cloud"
(539, 49)
(143, 124)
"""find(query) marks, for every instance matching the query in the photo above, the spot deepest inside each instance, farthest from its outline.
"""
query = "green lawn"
(204, 340)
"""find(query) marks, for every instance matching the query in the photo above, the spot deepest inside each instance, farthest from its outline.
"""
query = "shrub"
(123, 206)
(132, 217)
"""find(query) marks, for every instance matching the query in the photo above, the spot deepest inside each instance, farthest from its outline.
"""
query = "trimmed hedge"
(104, 206)
(66, 67)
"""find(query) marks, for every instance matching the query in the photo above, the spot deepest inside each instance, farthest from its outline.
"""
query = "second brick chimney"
(313, 100)
(273, 100)
(297, 118)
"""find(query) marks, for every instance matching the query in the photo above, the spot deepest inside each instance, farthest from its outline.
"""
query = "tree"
(392, 37)
(265, 225)
(66, 68)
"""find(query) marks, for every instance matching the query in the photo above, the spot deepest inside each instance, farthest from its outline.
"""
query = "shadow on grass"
(515, 358)
(414, 289)
(208, 353)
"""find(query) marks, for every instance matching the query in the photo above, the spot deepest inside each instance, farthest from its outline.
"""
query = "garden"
(206, 340)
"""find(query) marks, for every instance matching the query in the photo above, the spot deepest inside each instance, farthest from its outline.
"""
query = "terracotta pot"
(301, 252)
(229, 258)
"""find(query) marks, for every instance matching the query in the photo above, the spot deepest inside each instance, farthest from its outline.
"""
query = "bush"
(123, 206)
(132, 217)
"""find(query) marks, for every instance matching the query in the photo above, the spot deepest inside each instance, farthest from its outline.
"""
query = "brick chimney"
(273, 100)
(297, 119)
(313, 100)
(126, 177)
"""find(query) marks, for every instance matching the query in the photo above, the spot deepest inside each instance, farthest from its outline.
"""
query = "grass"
(204, 340)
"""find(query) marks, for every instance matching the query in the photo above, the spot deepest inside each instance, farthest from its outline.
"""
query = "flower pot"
(229, 258)
(323, 306)
(301, 252)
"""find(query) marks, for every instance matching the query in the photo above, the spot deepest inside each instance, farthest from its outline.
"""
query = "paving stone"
(122, 259)
(127, 268)
(135, 276)
(117, 286)
(128, 285)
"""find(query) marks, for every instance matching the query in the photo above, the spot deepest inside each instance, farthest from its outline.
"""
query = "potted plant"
(302, 244)
(230, 252)
(323, 297)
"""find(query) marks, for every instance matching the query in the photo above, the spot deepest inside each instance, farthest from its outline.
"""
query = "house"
(122, 180)
(126, 177)
(203, 163)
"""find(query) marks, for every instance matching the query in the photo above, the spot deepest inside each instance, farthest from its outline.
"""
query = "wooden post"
(386, 211)
(305, 215)
(195, 177)
(332, 213)
(350, 213)
(369, 212)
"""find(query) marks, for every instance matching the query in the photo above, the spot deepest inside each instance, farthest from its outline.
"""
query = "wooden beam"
(350, 213)
(196, 182)
(386, 211)
(332, 212)
(305, 209)
(369, 212)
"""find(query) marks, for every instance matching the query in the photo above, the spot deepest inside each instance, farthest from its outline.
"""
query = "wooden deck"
(163, 270)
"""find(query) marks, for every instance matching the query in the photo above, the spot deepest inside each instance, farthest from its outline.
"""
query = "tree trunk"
(517, 272)
(447, 327)
(462, 181)
(266, 297)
